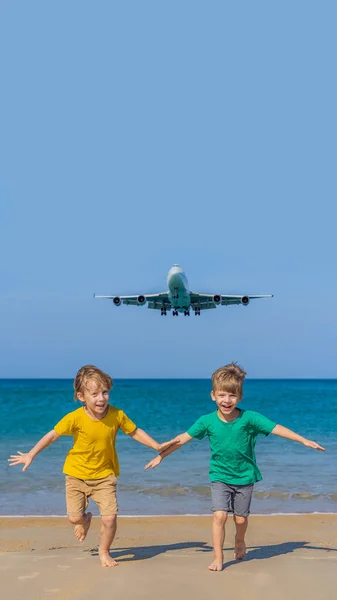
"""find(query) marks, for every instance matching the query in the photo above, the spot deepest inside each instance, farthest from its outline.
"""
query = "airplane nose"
(175, 269)
(175, 277)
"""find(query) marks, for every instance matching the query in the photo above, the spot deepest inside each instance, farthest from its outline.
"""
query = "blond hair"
(91, 373)
(229, 378)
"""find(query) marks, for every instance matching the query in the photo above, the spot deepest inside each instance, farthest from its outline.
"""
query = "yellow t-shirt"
(93, 455)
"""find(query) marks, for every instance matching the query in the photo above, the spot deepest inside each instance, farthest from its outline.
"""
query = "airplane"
(180, 299)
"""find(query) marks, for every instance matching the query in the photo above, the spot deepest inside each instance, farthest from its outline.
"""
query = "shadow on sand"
(253, 552)
(144, 552)
(263, 552)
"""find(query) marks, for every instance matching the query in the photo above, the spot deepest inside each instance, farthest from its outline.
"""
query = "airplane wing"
(206, 301)
(157, 301)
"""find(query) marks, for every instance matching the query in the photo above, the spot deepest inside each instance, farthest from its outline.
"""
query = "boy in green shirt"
(232, 433)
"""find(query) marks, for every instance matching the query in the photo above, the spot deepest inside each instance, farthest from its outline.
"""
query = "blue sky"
(135, 135)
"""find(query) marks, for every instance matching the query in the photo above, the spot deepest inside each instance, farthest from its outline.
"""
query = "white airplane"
(179, 299)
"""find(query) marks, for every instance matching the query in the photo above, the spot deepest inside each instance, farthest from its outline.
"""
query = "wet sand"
(289, 557)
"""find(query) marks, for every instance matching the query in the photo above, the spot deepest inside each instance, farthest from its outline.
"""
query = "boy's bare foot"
(216, 565)
(239, 550)
(107, 560)
(82, 529)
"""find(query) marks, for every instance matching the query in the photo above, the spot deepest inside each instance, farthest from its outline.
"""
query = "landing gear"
(163, 312)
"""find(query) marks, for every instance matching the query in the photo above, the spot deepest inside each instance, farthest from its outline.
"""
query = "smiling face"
(226, 402)
(95, 396)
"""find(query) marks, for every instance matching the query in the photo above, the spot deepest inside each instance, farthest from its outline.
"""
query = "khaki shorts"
(102, 491)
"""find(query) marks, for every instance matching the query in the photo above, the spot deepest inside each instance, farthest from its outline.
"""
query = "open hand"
(311, 444)
(165, 445)
(20, 459)
(154, 462)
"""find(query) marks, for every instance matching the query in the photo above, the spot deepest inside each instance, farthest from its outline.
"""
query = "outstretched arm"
(144, 438)
(181, 439)
(291, 435)
(26, 459)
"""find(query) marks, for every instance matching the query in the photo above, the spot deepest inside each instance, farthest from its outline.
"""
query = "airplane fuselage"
(178, 292)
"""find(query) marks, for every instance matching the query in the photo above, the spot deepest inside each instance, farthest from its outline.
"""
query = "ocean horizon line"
(171, 379)
(274, 514)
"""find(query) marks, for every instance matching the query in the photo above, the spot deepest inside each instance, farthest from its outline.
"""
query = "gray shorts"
(232, 498)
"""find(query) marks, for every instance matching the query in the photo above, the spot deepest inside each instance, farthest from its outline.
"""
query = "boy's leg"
(103, 492)
(241, 524)
(108, 532)
(82, 525)
(242, 500)
(222, 503)
(77, 503)
(218, 537)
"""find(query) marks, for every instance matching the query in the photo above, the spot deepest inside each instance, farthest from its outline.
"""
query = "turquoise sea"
(295, 479)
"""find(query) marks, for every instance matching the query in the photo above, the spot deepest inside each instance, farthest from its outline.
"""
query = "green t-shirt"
(233, 445)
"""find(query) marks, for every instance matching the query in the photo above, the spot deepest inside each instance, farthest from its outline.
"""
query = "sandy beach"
(293, 557)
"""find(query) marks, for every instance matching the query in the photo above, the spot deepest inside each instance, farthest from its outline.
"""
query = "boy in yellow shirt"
(91, 466)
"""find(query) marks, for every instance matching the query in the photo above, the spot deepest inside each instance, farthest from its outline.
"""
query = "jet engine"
(141, 300)
(216, 299)
(245, 300)
(117, 301)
